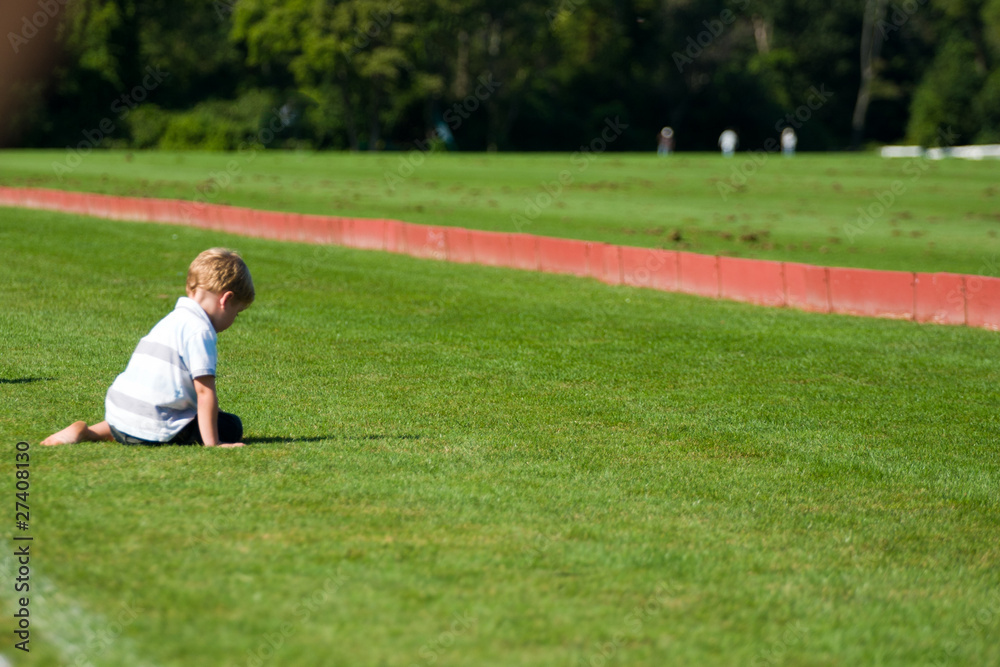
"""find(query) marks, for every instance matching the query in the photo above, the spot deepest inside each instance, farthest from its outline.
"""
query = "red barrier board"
(562, 256)
(649, 267)
(168, 210)
(62, 202)
(114, 206)
(139, 208)
(698, 274)
(59, 201)
(490, 248)
(13, 196)
(206, 217)
(339, 232)
(76, 202)
(132, 208)
(152, 208)
(752, 280)
(33, 198)
(49, 200)
(19, 196)
(273, 225)
(323, 229)
(92, 207)
(635, 266)
(296, 226)
(147, 208)
(604, 262)
(43, 199)
(612, 264)
(365, 234)
(425, 241)
(156, 212)
(55, 201)
(807, 287)
(180, 213)
(459, 245)
(223, 216)
(52, 201)
(246, 221)
(940, 298)
(136, 209)
(99, 206)
(871, 293)
(395, 236)
(118, 207)
(232, 219)
(200, 214)
(289, 230)
(982, 302)
(250, 223)
(524, 252)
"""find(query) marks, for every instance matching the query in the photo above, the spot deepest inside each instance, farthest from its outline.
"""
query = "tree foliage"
(523, 74)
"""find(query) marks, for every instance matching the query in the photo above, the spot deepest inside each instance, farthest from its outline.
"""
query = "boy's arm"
(208, 412)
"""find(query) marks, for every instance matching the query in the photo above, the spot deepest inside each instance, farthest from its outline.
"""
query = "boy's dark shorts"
(230, 430)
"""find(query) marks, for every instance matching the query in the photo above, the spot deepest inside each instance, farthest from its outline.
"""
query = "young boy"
(167, 393)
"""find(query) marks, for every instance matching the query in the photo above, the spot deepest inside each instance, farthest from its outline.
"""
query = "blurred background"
(478, 75)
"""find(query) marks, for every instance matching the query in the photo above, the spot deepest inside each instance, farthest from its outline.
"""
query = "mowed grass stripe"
(854, 210)
(486, 466)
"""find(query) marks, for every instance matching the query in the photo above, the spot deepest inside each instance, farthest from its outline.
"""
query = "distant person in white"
(665, 144)
(788, 141)
(728, 141)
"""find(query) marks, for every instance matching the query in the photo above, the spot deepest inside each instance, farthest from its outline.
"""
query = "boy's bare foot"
(70, 435)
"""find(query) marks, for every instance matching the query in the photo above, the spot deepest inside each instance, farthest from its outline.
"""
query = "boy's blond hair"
(221, 270)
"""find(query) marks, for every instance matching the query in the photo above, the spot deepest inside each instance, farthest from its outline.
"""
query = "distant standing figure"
(665, 144)
(728, 141)
(788, 141)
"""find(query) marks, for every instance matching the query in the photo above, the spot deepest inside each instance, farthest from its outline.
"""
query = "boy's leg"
(230, 427)
(230, 430)
(79, 432)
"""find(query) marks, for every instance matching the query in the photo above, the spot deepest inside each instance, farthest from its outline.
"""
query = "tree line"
(516, 75)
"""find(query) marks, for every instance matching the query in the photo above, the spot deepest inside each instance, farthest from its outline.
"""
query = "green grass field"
(459, 465)
(834, 210)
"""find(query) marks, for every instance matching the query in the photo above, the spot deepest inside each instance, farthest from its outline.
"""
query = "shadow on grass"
(24, 380)
(292, 438)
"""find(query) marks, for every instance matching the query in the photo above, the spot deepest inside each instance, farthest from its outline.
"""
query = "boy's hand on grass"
(228, 444)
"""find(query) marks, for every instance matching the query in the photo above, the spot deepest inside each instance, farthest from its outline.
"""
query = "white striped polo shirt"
(155, 398)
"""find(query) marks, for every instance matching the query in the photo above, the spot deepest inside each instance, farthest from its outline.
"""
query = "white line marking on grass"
(82, 638)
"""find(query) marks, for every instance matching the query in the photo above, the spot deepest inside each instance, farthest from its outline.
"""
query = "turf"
(854, 210)
(455, 465)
